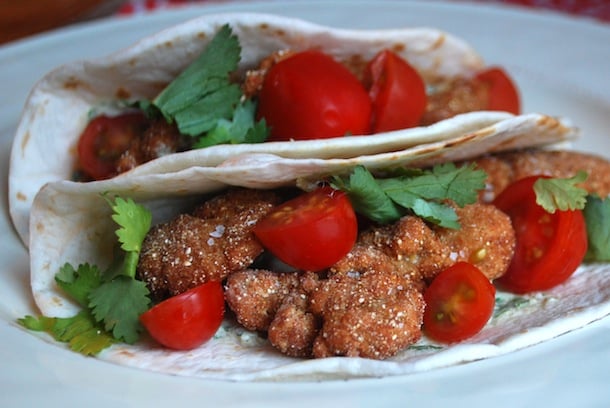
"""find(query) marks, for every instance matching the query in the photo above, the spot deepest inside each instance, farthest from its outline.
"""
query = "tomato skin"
(187, 320)
(549, 246)
(503, 94)
(104, 140)
(312, 231)
(397, 90)
(309, 95)
(459, 302)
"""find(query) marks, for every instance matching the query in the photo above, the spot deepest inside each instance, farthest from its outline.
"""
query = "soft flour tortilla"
(58, 107)
(70, 223)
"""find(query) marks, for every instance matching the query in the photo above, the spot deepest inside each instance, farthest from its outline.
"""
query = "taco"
(70, 224)
(62, 103)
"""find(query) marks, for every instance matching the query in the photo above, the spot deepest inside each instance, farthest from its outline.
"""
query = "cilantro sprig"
(203, 101)
(113, 300)
(597, 219)
(561, 194)
(425, 193)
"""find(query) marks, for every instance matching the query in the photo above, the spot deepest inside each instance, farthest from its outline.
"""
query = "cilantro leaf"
(205, 76)
(118, 304)
(367, 196)
(424, 193)
(112, 302)
(597, 219)
(203, 94)
(241, 129)
(442, 182)
(80, 331)
(134, 221)
(203, 115)
(561, 193)
(203, 101)
(78, 282)
(436, 213)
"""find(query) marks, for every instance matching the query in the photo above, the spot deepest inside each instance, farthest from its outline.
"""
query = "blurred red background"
(21, 18)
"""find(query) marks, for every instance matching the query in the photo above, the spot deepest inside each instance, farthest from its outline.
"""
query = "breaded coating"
(256, 295)
(159, 139)
(294, 327)
(486, 239)
(205, 246)
(369, 307)
(410, 240)
(503, 169)
(370, 303)
(461, 95)
(253, 82)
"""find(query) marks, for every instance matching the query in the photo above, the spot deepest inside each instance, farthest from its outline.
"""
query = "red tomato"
(549, 246)
(311, 96)
(503, 94)
(312, 231)
(459, 302)
(397, 91)
(188, 320)
(104, 140)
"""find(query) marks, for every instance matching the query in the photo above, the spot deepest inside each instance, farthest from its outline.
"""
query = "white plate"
(561, 65)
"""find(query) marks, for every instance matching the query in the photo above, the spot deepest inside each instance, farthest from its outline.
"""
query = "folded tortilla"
(70, 223)
(59, 105)
(65, 221)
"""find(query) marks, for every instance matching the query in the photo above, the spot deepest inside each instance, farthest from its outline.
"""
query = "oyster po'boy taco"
(200, 236)
(84, 120)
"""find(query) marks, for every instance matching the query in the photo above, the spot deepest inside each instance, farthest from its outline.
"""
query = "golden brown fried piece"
(458, 96)
(503, 169)
(159, 139)
(412, 242)
(369, 307)
(208, 245)
(486, 239)
(294, 327)
(256, 295)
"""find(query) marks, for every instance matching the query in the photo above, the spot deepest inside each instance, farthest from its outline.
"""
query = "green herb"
(367, 196)
(561, 193)
(425, 347)
(241, 129)
(205, 104)
(112, 301)
(423, 193)
(80, 282)
(504, 305)
(597, 219)
(80, 331)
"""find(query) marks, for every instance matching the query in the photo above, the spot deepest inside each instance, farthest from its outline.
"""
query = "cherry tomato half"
(104, 140)
(311, 96)
(549, 246)
(312, 231)
(397, 91)
(187, 320)
(503, 94)
(459, 302)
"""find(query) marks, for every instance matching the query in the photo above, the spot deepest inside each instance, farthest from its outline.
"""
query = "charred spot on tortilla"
(74, 83)
(439, 42)
(122, 93)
